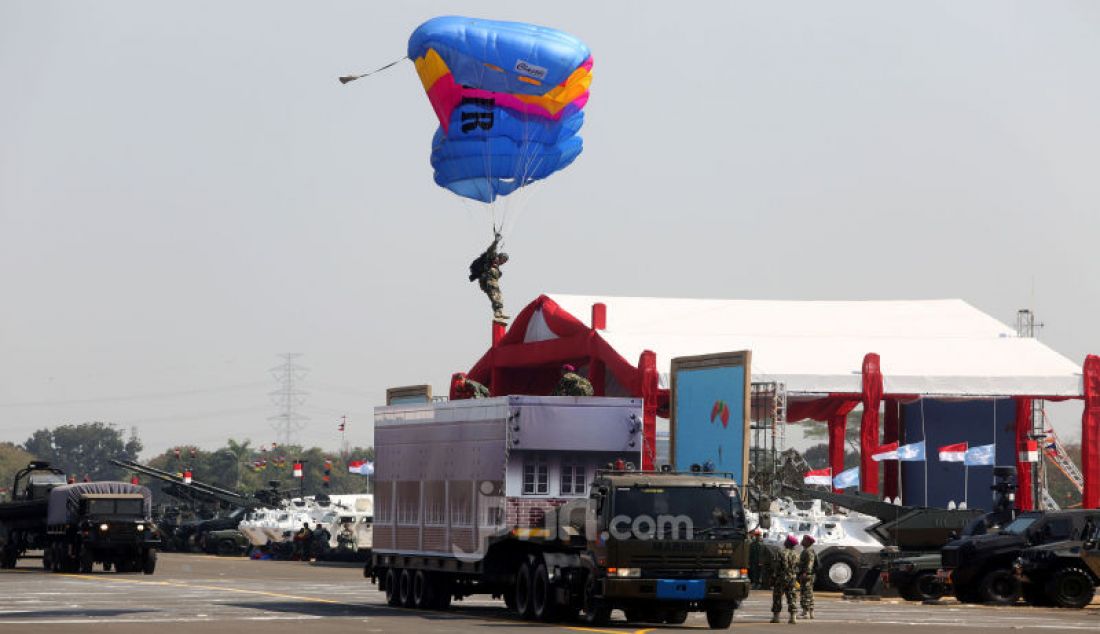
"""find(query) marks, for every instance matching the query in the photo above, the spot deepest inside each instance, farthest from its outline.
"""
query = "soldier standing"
(756, 549)
(465, 387)
(783, 579)
(486, 270)
(807, 569)
(572, 384)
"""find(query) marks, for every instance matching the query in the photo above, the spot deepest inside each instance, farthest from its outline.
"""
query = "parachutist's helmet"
(502, 257)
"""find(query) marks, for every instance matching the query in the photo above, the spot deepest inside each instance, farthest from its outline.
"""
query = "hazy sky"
(187, 191)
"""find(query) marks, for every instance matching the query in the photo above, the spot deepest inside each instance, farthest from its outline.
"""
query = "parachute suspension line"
(350, 78)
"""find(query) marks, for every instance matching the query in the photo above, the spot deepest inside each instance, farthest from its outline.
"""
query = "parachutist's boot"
(775, 617)
(791, 620)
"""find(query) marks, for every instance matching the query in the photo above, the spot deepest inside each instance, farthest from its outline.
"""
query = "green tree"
(12, 459)
(84, 450)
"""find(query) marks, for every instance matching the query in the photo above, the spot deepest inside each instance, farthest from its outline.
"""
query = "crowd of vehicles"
(78, 525)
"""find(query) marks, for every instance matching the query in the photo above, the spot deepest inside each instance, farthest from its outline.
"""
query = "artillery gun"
(233, 503)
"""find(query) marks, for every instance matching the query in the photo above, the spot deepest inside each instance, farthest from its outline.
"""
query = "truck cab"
(1062, 573)
(101, 522)
(666, 544)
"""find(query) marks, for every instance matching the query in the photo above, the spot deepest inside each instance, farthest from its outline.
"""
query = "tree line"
(84, 451)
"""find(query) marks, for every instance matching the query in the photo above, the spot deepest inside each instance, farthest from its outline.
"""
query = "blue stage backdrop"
(948, 423)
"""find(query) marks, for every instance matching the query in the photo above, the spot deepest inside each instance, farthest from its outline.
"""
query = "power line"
(288, 397)
(134, 397)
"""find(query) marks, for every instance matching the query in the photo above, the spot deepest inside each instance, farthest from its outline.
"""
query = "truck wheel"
(404, 589)
(8, 557)
(86, 560)
(390, 581)
(421, 591)
(1070, 588)
(923, 587)
(228, 548)
(523, 591)
(719, 618)
(596, 612)
(676, 617)
(840, 572)
(542, 595)
(149, 561)
(999, 586)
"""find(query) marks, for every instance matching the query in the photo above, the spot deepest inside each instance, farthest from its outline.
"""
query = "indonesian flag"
(187, 476)
(885, 452)
(297, 469)
(953, 453)
(1029, 452)
(362, 467)
(819, 476)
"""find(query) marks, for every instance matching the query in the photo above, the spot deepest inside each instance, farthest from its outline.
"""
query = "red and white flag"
(953, 453)
(1029, 452)
(187, 476)
(886, 452)
(819, 476)
(297, 469)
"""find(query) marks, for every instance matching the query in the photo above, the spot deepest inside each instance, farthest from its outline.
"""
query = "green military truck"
(1064, 574)
(23, 518)
(512, 497)
(100, 522)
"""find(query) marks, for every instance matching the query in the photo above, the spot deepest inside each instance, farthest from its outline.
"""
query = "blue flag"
(913, 452)
(845, 479)
(979, 456)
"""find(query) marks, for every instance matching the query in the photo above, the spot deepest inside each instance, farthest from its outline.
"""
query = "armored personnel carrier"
(1064, 574)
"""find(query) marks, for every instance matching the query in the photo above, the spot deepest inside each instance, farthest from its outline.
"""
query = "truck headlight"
(140, 527)
(733, 573)
(624, 572)
(104, 527)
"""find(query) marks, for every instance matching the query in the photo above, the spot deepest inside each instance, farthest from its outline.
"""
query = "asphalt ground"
(197, 594)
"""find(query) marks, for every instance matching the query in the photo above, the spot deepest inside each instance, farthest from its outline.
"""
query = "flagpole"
(966, 484)
(924, 437)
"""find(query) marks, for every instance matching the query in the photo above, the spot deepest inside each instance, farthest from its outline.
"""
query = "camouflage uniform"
(785, 571)
(573, 384)
(476, 390)
(486, 270)
(807, 563)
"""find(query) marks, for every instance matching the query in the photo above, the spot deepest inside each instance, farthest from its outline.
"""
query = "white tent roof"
(935, 347)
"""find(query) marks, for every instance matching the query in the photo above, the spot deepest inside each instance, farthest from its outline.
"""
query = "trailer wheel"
(542, 595)
(404, 589)
(149, 563)
(421, 591)
(1070, 588)
(390, 581)
(523, 591)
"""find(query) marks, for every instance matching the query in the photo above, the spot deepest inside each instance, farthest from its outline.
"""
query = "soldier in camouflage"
(785, 572)
(486, 270)
(807, 570)
(572, 384)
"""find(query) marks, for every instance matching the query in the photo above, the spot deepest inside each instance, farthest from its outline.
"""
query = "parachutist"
(486, 270)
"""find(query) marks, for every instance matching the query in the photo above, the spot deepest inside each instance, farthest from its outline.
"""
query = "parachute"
(509, 98)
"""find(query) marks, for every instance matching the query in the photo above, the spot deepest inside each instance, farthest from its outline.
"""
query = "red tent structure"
(831, 356)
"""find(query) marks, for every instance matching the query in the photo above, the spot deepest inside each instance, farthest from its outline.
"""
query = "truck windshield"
(115, 507)
(1019, 525)
(677, 512)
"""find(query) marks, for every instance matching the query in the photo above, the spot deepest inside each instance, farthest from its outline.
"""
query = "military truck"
(23, 519)
(100, 522)
(1064, 574)
(506, 497)
(981, 566)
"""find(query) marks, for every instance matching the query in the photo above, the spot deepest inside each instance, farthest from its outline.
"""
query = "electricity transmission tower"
(288, 397)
